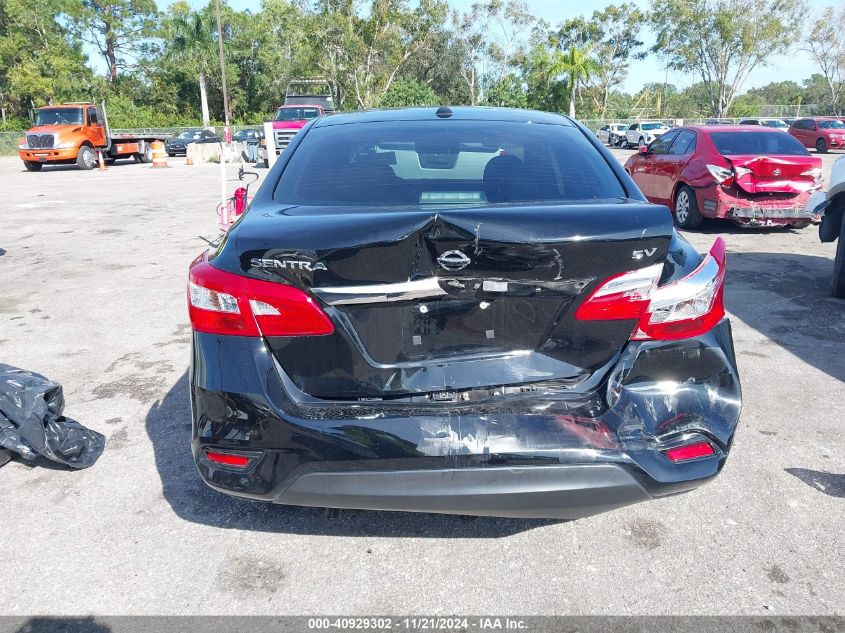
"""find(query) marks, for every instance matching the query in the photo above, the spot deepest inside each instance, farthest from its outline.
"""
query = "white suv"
(644, 132)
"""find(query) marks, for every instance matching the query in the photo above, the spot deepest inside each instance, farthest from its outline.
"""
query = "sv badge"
(646, 252)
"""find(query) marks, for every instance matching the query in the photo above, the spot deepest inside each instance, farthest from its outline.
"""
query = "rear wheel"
(837, 283)
(86, 159)
(146, 156)
(821, 146)
(30, 166)
(686, 209)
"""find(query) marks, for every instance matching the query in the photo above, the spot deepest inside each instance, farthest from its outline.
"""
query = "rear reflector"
(684, 308)
(690, 451)
(227, 459)
(224, 303)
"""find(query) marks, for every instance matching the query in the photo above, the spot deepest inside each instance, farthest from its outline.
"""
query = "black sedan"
(460, 311)
(179, 144)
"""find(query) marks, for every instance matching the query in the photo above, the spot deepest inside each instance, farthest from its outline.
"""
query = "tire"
(837, 282)
(821, 146)
(686, 209)
(30, 166)
(266, 163)
(146, 157)
(86, 158)
(171, 154)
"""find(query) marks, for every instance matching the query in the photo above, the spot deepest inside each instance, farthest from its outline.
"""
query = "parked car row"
(179, 143)
(633, 135)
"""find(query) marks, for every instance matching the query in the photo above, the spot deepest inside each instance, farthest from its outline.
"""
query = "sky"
(796, 66)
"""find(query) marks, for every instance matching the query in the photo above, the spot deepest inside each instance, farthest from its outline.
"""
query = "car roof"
(459, 113)
(726, 128)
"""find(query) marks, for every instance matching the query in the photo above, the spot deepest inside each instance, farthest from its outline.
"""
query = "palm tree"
(577, 65)
(194, 45)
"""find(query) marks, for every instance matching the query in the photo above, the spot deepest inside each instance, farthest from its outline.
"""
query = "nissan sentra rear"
(459, 310)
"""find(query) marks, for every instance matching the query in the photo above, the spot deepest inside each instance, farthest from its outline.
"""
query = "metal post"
(222, 63)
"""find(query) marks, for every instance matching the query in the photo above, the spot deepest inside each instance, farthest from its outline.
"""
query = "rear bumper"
(716, 202)
(563, 492)
(546, 453)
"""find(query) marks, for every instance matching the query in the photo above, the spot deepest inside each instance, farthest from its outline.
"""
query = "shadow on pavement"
(168, 425)
(831, 484)
(786, 297)
(63, 625)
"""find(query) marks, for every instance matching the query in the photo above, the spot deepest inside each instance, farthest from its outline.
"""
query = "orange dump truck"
(73, 133)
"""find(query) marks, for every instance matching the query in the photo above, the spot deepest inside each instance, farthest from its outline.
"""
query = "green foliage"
(508, 92)
(408, 92)
(707, 37)
(162, 69)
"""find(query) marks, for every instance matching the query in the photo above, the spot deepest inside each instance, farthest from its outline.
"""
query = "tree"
(193, 44)
(492, 34)
(825, 42)
(615, 44)
(39, 57)
(118, 29)
(577, 65)
(508, 92)
(408, 92)
(709, 38)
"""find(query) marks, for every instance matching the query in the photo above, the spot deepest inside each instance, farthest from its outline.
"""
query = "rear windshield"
(443, 163)
(754, 142)
(296, 114)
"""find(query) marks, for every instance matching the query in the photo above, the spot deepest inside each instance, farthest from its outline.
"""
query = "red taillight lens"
(623, 296)
(224, 303)
(227, 459)
(722, 175)
(688, 307)
(690, 451)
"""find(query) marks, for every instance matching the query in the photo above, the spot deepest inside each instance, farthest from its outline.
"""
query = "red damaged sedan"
(752, 176)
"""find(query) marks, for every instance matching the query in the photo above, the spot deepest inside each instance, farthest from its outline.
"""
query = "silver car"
(612, 133)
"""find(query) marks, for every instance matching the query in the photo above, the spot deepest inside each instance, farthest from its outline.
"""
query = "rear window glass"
(444, 162)
(754, 142)
(296, 114)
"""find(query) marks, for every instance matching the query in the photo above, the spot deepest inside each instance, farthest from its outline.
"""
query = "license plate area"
(452, 327)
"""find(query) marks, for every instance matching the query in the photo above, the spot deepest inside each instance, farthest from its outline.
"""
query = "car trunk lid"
(430, 301)
(776, 174)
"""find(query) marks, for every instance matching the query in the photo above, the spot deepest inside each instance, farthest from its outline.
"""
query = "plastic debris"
(32, 424)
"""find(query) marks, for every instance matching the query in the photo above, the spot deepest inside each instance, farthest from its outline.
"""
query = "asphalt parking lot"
(92, 294)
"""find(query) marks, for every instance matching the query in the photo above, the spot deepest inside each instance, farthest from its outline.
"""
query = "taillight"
(684, 308)
(722, 175)
(816, 174)
(228, 459)
(690, 451)
(224, 303)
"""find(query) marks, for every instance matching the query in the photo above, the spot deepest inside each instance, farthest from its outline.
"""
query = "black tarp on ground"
(32, 424)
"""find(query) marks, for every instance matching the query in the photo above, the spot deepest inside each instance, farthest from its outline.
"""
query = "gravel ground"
(92, 294)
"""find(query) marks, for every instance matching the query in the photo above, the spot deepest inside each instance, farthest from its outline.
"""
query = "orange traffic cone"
(102, 163)
(158, 154)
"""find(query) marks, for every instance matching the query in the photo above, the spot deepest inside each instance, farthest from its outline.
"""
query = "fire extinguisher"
(240, 201)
